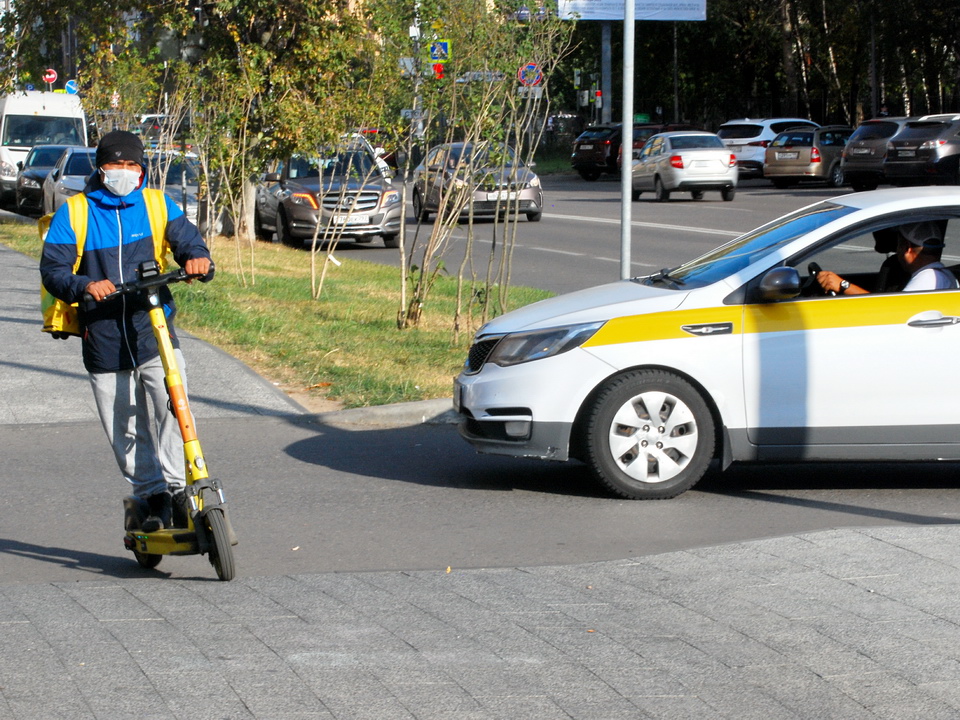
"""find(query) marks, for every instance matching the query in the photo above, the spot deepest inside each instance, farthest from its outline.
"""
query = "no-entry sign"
(49, 75)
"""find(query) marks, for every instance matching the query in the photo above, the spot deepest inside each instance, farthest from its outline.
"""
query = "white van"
(35, 118)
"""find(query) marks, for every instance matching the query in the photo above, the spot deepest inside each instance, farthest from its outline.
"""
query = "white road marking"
(653, 226)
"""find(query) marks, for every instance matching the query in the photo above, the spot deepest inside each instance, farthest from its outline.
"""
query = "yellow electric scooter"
(200, 522)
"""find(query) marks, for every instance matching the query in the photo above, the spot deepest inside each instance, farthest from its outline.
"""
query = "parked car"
(686, 160)
(925, 151)
(500, 182)
(736, 355)
(32, 171)
(798, 155)
(749, 138)
(595, 151)
(862, 158)
(68, 176)
(178, 175)
(644, 131)
(343, 190)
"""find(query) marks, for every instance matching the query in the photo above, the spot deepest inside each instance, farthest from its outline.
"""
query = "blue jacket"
(116, 334)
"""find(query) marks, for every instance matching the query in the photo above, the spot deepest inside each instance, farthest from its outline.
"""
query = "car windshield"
(30, 130)
(351, 163)
(738, 132)
(171, 168)
(43, 157)
(745, 250)
(80, 164)
(689, 142)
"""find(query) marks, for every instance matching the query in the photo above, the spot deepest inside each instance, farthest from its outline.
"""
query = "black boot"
(160, 509)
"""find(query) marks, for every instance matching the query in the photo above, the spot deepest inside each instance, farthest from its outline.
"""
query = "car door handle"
(934, 322)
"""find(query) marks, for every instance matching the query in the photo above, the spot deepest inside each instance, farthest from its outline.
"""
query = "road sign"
(439, 51)
(49, 75)
(530, 74)
(71, 87)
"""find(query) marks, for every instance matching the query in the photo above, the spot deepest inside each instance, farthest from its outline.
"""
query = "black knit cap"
(119, 145)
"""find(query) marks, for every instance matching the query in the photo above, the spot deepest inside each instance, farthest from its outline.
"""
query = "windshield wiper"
(662, 277)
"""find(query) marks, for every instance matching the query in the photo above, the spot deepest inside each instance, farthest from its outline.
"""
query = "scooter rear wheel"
(147, 560)
(221, 552)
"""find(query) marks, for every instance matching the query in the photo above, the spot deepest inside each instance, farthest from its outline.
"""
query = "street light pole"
(626, 139)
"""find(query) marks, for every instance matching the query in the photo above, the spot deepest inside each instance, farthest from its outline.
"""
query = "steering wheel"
(813, 269)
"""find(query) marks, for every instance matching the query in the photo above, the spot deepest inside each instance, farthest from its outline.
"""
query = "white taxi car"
(737, 355)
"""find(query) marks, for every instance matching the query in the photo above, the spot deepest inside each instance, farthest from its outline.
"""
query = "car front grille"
(479, 352)
(501, 205)
(496, 187)
(364, 201)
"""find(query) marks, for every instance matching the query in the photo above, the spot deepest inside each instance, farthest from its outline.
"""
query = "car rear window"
(596, 133)
(687, 142)
(787, 124)
(921, 129)
(793, 139)
(875, 131)
(737, 132)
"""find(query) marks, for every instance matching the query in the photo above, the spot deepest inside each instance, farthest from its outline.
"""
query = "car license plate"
(351, 219)
(586, 147)
(907, 153)
(502, 195)
(787, 155)
(860, 151)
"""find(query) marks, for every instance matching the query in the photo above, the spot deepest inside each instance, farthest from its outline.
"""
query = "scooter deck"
(173, 541)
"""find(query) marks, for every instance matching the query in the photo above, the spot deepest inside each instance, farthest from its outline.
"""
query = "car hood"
(595, 304)
(37, 172)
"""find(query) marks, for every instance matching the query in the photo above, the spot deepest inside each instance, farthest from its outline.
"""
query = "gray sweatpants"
(145, 437)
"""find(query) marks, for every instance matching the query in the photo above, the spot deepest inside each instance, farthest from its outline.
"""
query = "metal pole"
(626, 168)
(606, 73)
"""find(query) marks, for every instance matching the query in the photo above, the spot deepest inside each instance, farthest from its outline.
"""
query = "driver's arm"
(831, 282)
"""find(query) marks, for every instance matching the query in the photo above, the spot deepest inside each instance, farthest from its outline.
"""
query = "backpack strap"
(77, 206)
(157, 213)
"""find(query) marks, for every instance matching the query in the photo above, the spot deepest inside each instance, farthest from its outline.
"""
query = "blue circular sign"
(71, 87)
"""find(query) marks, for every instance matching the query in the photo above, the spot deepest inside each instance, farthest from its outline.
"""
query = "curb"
(421, 412)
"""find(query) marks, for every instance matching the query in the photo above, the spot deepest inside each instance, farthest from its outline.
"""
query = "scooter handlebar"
(151, 282)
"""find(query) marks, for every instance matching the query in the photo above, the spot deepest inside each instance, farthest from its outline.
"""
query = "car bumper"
(30, 200)
(518, 411)
(920, 171)
(303, 224)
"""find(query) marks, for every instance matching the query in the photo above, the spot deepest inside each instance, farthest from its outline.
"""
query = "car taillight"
(676, 161)
(814, 155)
(733, 160)
(932, 144)
(760, 143)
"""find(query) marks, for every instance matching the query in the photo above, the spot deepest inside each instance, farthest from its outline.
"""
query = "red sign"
(438, 71)
(49, 75)
(530, 74)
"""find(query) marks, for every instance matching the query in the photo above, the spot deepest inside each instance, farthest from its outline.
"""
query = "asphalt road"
(577, 243)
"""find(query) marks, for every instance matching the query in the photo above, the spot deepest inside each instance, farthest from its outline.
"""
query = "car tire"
(391, 240)
(635, 195)
(649, 435)
(659, 191)
(696, 194)
(283, 232)
(836, 176)
(728, 193)
(590, 175)
(534, 216)
(419, 212)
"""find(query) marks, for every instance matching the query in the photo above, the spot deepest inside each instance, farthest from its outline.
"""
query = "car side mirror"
(55, 174)
(272, 177)
(19, 164)
(780, 283)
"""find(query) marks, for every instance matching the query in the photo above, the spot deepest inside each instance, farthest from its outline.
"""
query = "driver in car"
(919, 247)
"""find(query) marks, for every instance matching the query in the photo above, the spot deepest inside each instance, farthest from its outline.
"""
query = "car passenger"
(919, 247)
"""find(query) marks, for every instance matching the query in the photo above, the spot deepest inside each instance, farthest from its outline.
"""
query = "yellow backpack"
(61, 317)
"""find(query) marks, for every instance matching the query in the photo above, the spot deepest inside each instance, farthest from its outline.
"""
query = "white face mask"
(121, 182)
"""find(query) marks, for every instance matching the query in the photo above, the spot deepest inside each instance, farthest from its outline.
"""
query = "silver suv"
(749, 138)
(926, 151)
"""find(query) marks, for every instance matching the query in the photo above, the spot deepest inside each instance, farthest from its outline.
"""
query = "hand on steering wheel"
(814, 269)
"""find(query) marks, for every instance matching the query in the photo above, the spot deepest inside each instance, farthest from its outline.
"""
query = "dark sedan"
(33, 170)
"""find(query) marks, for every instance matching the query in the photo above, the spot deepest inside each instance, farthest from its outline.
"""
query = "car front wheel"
(418, 210)
(283, 232)
(649, 435)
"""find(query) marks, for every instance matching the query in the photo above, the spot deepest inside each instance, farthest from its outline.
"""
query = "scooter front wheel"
(147, 560)
(221, 552)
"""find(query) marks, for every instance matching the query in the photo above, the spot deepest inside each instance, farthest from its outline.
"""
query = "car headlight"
(390, 197)
(7, 170)
(535, 182)
(519, 348)
(304, 199)
(26, 182)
